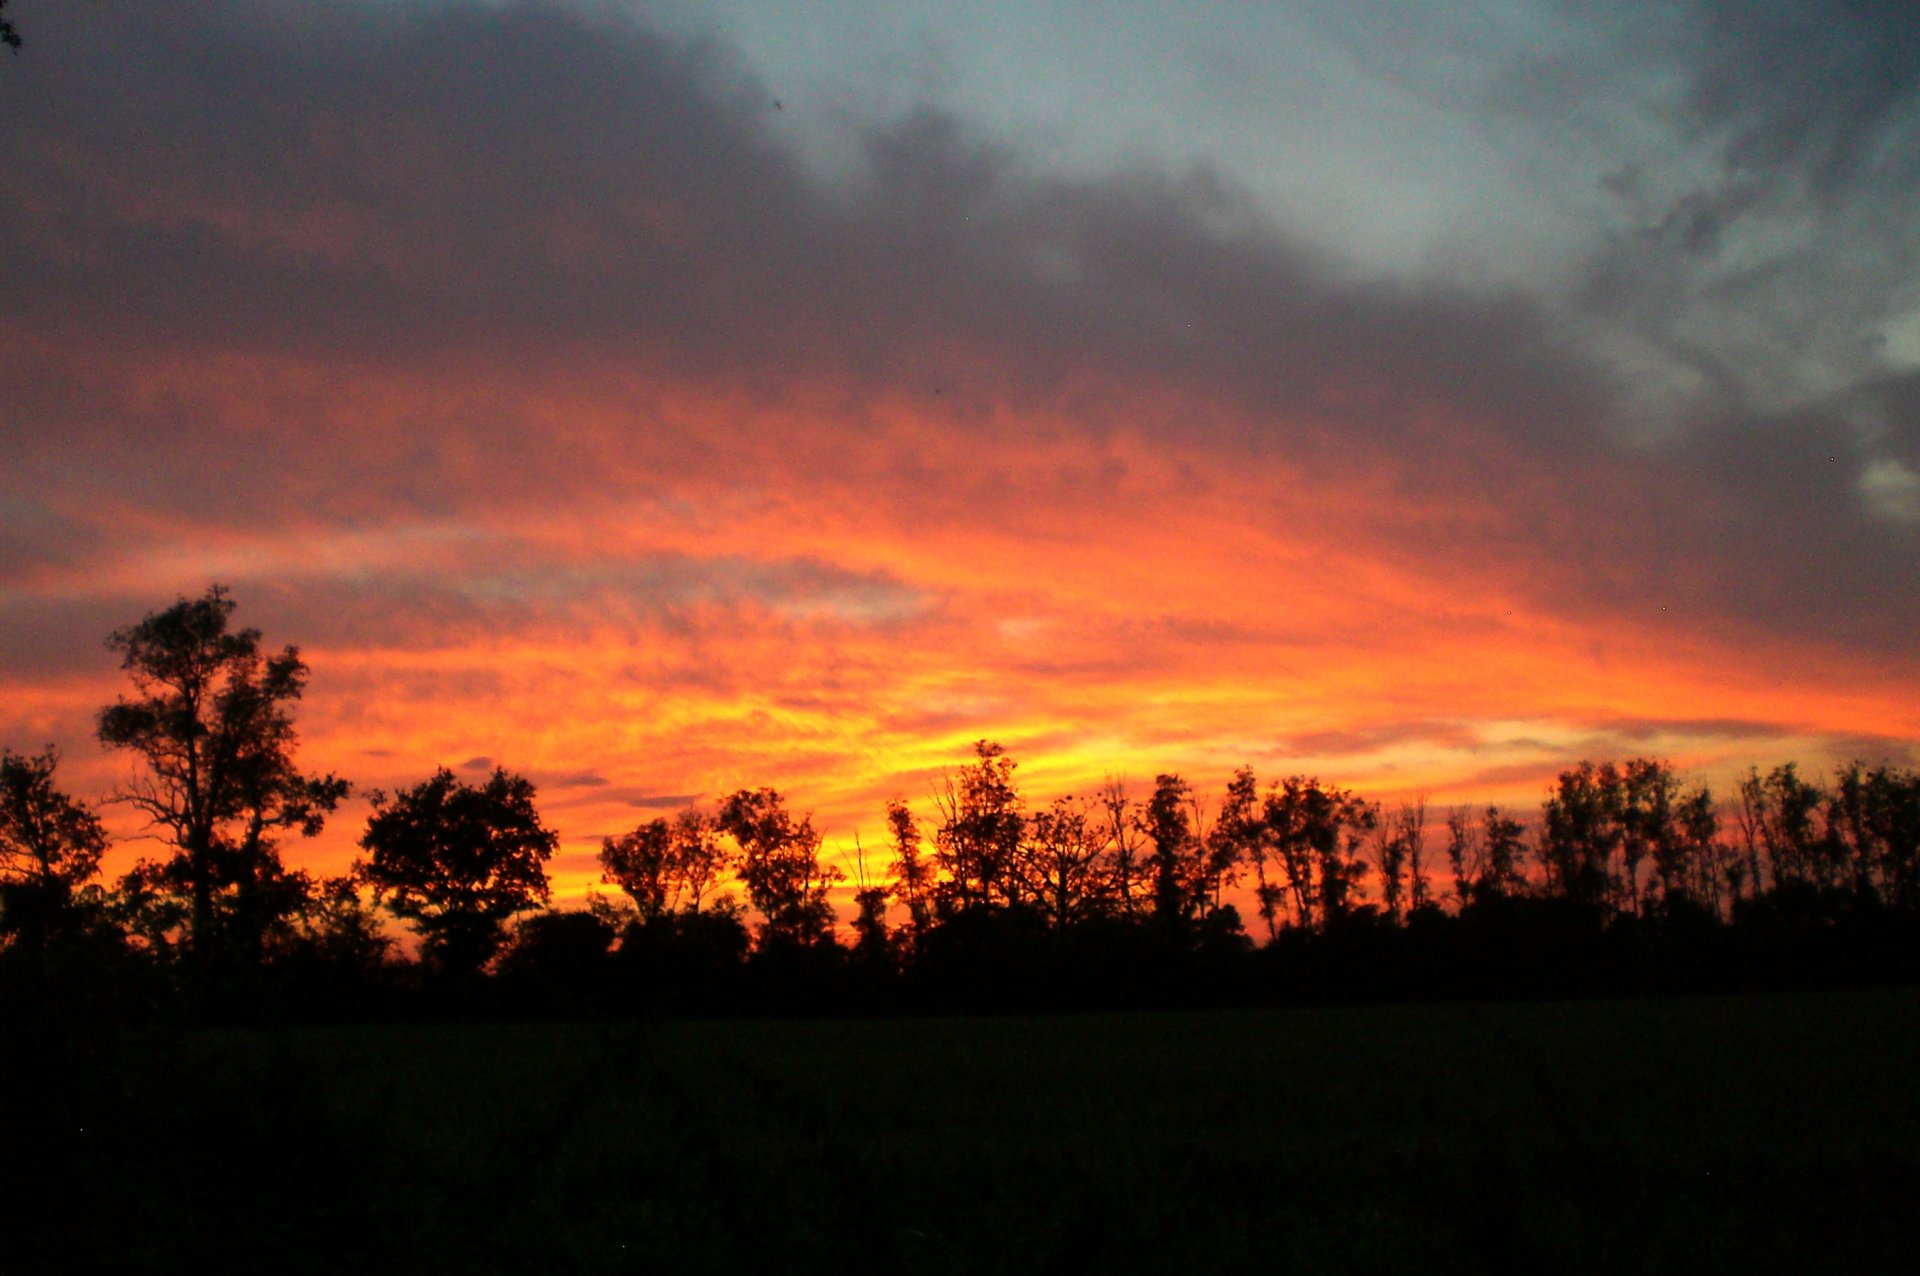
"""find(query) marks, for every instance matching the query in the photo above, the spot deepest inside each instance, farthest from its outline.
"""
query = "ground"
(1765, 1133)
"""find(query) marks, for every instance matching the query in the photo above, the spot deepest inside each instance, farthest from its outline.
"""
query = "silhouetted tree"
(50, 849)
(1502, 874)
(1463, 853)
(641, 864)
(1390, 863)
(1873, 824)
(912, 874)
(1122, 829)
(1176, 855)
(457, 861)
(779, 864)
(1062, 863)
(258, 916)
(1679, 831)
(872, 944)
(1653, 805)
(1748, 815)
(979, 834)
(1341, 867)
(1711, 868)
(1399, 855)
(148, 905)
(340, 929)
(689, 959)
(1222, 857)
(9, 34)
(212, 722)
(1894, 806)
(1784, 810)
(1315, 833)
(1581, 831)
(1487, 855)
(1239, 837)
(667, 866)
(1250, 823)
(1411, 822)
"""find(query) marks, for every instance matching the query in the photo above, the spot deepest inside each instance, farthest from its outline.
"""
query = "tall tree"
(1412, 822)
(1241, 839)
(50, 848)
(1873, 822)
(1339, 851)
(457, 861)
(1581, 833)
(1488, 857)
(1651, 831)
(873, 946)
(1887, 840)
(667, 866)
(1785, 811)
(912, 873)
(1121, 825)
(1711, 869)
(1503, 843)
(1176, 858)
(1463, 853)
(779, 864)
(1062, 862)
(1315, 832)
(211, 719)
(979, 835)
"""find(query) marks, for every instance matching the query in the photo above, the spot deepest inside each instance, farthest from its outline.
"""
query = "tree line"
(1628, 873)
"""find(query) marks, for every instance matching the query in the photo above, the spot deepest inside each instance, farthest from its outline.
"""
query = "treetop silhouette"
(999, 895)
(211, 722)
(457, 861)
(50, 849)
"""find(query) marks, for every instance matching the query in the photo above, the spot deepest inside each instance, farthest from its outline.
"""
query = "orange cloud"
(705, 477)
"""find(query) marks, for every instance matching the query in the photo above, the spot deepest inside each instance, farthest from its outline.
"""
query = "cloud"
(450, 257)
(662, 801)
(579, 780)
(512, 360)
(1891, 490)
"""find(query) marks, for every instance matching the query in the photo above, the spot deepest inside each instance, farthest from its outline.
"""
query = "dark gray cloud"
(661, 801)
(1771, 260)
(576, 780)
(1645, 729)
(530, 185)
(529, 195)
(1446, 735)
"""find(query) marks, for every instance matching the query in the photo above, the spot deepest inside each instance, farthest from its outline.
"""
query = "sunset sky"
(661, 399)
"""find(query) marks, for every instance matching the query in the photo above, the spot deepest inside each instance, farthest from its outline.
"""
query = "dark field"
(1769, 1133)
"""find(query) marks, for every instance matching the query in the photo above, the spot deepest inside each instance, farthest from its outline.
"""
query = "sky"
(664, 399)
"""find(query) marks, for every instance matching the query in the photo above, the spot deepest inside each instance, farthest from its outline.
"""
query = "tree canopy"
(457, 861)
(50, 847)
(211, 722)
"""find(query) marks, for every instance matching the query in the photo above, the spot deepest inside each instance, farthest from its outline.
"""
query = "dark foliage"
(457, 861)
(50, 849)
(211, 723)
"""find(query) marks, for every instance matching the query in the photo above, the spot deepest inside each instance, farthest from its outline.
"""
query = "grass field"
(1764, 1133)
